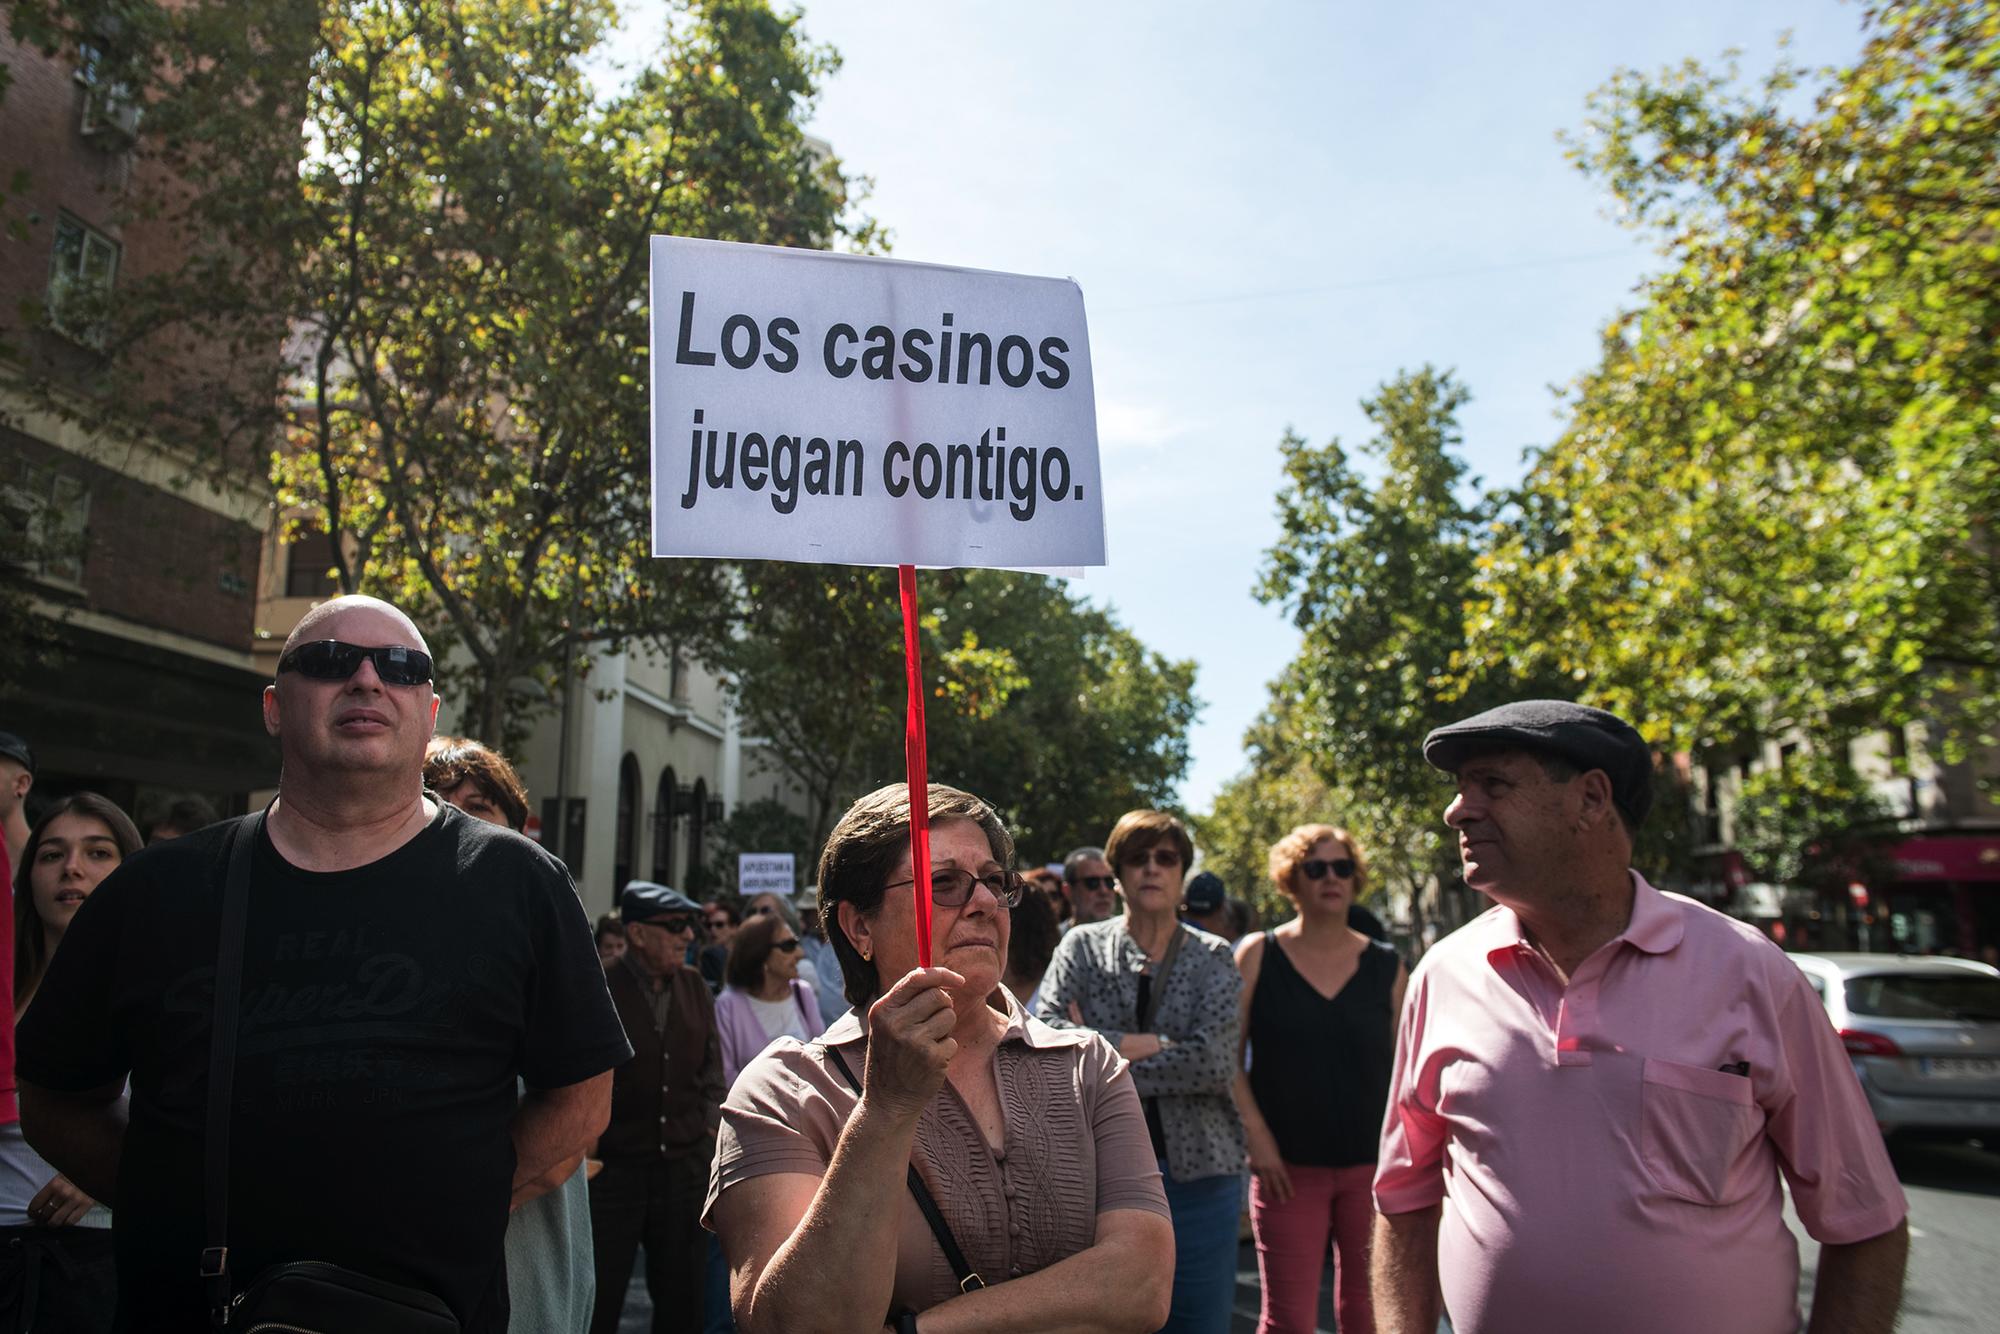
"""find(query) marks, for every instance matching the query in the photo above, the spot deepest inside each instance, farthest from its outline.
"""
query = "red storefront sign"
(1936, 857)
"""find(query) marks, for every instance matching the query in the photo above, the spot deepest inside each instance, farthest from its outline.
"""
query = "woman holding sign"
(1009, 1160)
(1166, 995)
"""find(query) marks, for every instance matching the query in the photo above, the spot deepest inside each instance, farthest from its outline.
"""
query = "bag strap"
(1159, 978)
(968, 1281)
(222, 1064)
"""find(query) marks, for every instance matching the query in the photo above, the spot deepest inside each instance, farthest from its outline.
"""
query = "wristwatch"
(906, 1323)
(1166, 1043)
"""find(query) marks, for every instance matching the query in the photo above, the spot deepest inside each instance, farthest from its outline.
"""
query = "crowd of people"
(452, 1094)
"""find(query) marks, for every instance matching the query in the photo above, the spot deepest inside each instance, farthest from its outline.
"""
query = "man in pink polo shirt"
(1598, 1085)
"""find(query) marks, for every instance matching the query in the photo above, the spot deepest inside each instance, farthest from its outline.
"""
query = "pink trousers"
(1331, 1208)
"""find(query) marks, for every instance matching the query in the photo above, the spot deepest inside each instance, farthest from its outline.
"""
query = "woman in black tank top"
(1319, 1033)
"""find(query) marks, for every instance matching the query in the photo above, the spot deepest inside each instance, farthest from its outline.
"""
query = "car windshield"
(1925, 996)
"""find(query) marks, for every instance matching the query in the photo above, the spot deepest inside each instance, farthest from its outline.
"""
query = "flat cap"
(1588, 738)
(643, 901)
(1205, 892)
(15, 749)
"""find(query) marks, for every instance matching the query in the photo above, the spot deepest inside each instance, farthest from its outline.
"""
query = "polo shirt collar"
(1655, 926)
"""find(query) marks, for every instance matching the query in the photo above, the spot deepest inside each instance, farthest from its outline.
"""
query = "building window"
(308, 572)
(110, 113)
(45, 520)
(81, 273)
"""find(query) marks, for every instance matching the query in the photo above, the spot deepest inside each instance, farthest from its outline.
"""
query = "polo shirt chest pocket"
(1694, 1126)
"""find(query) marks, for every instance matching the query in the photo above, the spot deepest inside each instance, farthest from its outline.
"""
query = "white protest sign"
(764, 873)
(837, 408)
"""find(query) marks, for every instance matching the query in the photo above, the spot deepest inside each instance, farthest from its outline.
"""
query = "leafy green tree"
(1035, 700)
(764, 825)
(1278, 791)
(1773, 503)
(1807, 822)
(1098, 726)
(458, 247)
(1374, 573)
(812, 655)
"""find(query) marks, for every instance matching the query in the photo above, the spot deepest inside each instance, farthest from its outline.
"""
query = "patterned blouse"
(1098, 967)
(1074, 1147)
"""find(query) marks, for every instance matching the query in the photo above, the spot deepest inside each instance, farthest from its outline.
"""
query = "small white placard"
(764, 873)
(809, 406)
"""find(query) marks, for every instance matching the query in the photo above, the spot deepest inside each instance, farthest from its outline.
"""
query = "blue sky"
(1270, 209)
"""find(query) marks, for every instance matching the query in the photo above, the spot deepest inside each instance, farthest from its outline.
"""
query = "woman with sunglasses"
(56, 1269)
(765, 1000)
(1320, 1031)
(1165, 995)
(1029, 1141)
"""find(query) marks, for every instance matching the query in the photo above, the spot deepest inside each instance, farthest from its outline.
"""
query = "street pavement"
(1954, 1280)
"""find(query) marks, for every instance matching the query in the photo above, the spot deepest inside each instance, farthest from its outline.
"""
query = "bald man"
(403, 965)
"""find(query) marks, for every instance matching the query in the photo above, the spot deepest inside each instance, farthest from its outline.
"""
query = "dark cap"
(644, 901)
(15, 749)
(1588, 738)
(1205, 892)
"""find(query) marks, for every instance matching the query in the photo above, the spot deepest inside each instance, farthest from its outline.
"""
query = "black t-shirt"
(386, 1013)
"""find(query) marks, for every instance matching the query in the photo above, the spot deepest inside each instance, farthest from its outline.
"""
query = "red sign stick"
(916, 766)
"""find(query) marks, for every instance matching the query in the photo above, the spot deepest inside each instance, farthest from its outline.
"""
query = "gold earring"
(866, 955)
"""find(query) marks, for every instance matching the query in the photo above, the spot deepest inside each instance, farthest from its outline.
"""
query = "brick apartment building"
(149, 571)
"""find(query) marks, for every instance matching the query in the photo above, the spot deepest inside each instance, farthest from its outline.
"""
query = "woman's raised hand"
(909, 1039)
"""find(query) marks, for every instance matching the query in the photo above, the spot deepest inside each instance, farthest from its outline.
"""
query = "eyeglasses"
(1160, 857)
(718, 923)
(951, 887)
(1340, 866)
(337, 660)
(788, 946)
(1103, 882)
(676, 926)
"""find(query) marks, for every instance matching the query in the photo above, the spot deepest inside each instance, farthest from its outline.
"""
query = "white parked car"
(1923, 1033)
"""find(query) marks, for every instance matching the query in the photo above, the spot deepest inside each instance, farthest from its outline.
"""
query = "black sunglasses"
(1160, 857)
(674, 925)
(1340, 866)
(952, 888)
(337, 660)
(786, 945)
(1105, 882)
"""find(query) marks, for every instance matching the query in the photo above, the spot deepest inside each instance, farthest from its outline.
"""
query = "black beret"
(1588, 738)
(643, 901)
(1205, 892)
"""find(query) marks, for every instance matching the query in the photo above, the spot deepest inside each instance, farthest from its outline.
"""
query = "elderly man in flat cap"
(665, 1105)
(1598, 1085)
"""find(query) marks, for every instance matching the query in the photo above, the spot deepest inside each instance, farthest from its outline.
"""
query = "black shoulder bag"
(967, 1280)
(304, 1296)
